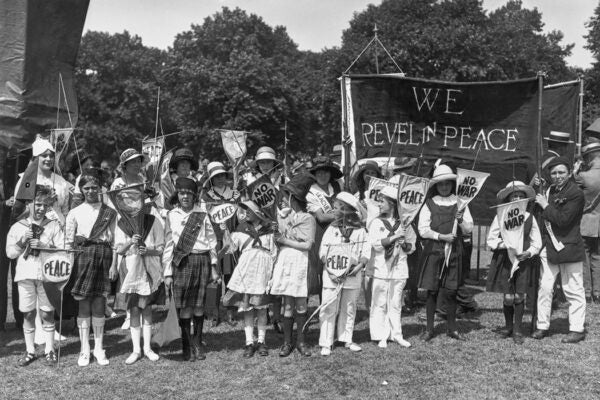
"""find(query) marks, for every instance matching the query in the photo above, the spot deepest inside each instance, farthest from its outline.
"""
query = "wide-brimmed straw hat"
(213, 169)
(515, 186)
(183, 155)
(353, 202)
(559, 137)
(131, 154)
(266, 153)
(590, 148)
(325, 163)
(403, 163)
(442, 173)
(183, 185)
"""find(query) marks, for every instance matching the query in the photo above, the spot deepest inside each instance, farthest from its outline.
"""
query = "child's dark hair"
(85, 179)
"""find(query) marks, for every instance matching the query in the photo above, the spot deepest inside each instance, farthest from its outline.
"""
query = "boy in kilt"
(34, 231)
(499, 278)
(189, 261)
(90, 228)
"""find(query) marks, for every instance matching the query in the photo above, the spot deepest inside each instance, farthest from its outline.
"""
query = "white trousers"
(572, 283)
(343, 310)
(386, 309)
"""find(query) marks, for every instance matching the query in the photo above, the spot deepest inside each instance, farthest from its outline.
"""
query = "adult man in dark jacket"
(562, 207)
(588, 178)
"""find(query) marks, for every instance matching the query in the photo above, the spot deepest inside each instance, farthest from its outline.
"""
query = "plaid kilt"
(91, 269)
(190, 280)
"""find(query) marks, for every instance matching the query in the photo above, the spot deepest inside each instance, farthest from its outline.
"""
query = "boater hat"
(515, 186)
(131, 154)
(325, 163)
(559, 137)
(183, 155)
(266, 153)
(442, 173)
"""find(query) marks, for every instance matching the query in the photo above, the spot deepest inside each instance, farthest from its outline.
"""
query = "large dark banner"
(38, 40)
(488, 126)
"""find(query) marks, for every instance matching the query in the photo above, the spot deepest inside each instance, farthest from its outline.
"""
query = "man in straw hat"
(564, 250)
(558, 144)
(588, 179)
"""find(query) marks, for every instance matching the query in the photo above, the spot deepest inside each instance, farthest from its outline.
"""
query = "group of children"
(322, 237)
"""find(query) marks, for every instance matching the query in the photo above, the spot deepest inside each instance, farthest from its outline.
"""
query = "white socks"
(262, 325)
(29, 334)
(84, 334)
(49, 331)
(136, 332)
(147, 331)
(98, 326)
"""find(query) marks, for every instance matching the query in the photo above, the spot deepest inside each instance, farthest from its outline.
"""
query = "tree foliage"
(234, 71)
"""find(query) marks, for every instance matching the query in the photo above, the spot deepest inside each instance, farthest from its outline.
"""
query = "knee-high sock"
(288, 327)
(431, 305)
(519, 309)
(135, 338)
(84, 334)
(98, 327)
(29, 334)
(249, 326)
(147, 332)
(49, 329)
(509, 312)
(262, 325)
(451, 311)
(300, 321)
(198, 327)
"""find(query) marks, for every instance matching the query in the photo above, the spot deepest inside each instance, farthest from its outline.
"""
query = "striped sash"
(188, 237)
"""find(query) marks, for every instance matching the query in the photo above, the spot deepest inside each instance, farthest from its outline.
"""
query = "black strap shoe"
(518, 338)
(426, 336)
(27, 359)
(286, 350)
(303, 349)
(539, 334)
(249, 350)
(262, 350)
(51, 358)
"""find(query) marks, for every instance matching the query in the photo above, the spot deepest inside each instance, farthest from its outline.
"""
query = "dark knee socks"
(300, 321)
(451, 310)
(519, 309)
(509, 312)
(431, 306)
(288, 326)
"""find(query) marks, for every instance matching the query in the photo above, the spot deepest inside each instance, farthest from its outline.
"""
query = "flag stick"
(60, 317)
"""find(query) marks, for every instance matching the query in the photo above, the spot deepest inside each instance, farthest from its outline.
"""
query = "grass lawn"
(481, 368)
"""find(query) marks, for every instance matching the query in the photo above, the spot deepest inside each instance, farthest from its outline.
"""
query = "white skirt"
(290, 273)
(252, 273)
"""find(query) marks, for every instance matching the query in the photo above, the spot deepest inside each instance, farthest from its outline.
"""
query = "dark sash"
(188, 237)
(389, 251)
(106, 216)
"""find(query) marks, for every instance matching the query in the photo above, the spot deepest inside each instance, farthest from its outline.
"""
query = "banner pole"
(536, 283)
(60, 317)
(580, 126)
(345, 135)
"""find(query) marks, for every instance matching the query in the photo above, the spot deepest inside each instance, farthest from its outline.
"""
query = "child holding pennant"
(253, 237)
(345, 250)
(515, 239)
(392, 241)
(441, 269)
(34, 231)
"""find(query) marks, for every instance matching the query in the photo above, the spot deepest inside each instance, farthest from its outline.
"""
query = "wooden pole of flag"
(580, 119)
